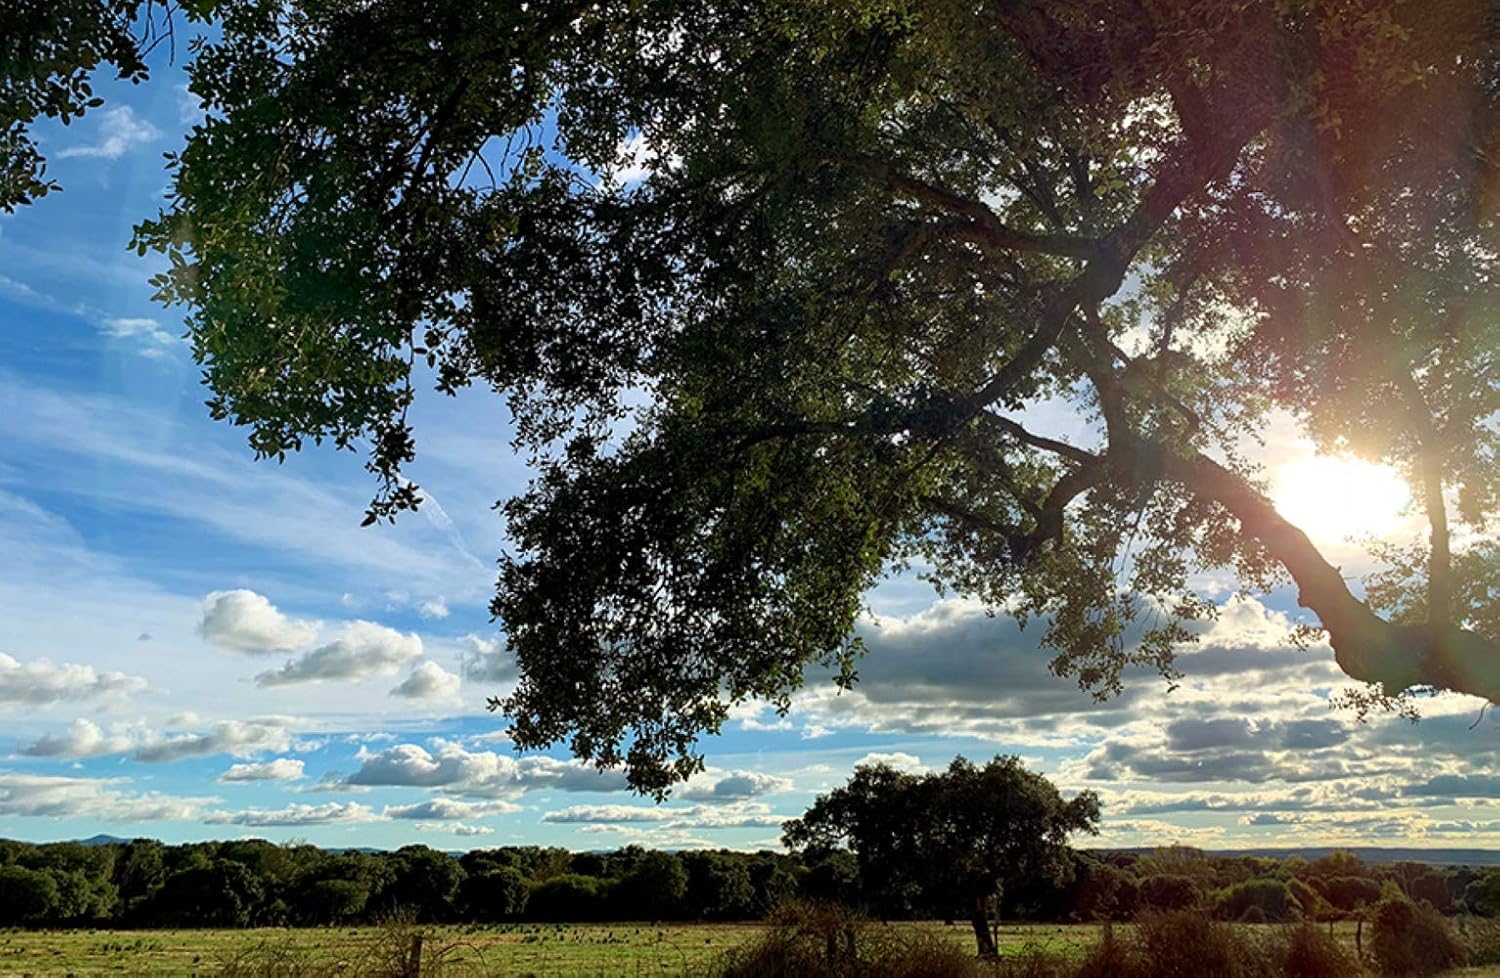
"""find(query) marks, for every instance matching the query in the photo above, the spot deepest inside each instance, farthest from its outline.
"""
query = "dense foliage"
(144, 883)
(980, 835)
(777, 293)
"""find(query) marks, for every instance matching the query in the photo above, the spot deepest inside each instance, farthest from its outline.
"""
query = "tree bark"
(981, 921)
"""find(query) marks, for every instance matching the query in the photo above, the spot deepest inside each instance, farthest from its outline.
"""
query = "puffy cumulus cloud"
(281, 769)
(239, 738)
(295, 814)
(900, 760)
(448, 765)
(549, 772)
(428, 681)
(669, 819)
(487, 661)
(41, 682)
(1155, 832)
(452, 767)
(732, 786)
(952, 669)
(83, 738)
(120, 130)
(1125, 761)
(1203, 733)
(455, 828)
(611, 814)
(433, 608)
(29, 795)
(1457, 786)
(447, 809)
(244, 621)
(362, 650)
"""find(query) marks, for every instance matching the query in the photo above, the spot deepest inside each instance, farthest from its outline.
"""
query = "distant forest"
(250, 883)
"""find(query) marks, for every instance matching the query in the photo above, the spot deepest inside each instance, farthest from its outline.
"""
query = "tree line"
(246, 883)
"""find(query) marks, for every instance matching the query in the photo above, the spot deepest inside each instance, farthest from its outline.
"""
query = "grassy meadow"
(622, 950)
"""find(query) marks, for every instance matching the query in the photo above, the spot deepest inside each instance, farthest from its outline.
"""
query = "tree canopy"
(961, 837)
(775, 291)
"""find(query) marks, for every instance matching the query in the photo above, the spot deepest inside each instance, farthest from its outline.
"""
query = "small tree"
(963, 832)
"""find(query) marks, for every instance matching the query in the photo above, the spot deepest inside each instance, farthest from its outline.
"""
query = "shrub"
(1409, 940)
(808, 940)
(1308, 951)
(1181, 944)
(1481, 936)
(1190, 945)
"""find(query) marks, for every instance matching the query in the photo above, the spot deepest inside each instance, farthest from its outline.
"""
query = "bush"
(1481, 937)
(1181, 944)
(1307, 951)
(809, 940)
(1408, 940)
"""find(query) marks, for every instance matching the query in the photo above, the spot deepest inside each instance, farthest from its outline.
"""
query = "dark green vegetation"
(872, 235)
(975, 834)
(252, 883)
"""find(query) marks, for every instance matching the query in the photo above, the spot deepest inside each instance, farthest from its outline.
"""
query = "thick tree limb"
(985, 224)
(1366, 647)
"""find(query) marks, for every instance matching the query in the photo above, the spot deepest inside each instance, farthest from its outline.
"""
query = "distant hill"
(1369, 854)
(102, 840)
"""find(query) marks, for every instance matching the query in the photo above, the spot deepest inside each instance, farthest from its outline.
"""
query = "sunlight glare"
(1337, 498)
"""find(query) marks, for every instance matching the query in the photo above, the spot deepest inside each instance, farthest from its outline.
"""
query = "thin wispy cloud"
(119, 131)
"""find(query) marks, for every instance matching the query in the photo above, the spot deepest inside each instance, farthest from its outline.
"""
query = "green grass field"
(539, 950)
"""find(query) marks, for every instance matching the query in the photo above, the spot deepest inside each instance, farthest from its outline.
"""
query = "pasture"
(622, 950)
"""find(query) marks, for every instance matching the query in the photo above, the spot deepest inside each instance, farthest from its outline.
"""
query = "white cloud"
(296, 814)
(462, 829)
(151, 339)
(732, 786)
(237, 737)
(444, 809)
(281, 769)
(668, 819)
(119, 131)
(900, 760)
(244, 621)
(40, 682)
(43, 796)
(434, 608)
(83, 738)
(362, 650)
(428, 681)
(485, 774)
(612, 814)
(487, 661)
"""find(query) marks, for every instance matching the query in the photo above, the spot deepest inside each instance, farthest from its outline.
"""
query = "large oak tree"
(870, 238)
(966, 838)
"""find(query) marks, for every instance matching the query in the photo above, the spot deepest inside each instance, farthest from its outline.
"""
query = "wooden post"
(414, 958)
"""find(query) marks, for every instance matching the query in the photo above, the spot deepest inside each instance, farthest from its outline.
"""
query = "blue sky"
(195, 645)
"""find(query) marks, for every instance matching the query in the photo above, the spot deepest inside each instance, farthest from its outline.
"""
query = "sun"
(1335, 498)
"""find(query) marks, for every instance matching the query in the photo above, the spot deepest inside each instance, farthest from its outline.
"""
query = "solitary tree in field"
(774, 288)
(961, 836)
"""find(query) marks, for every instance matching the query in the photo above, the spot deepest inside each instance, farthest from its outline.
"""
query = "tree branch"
(1366, 647)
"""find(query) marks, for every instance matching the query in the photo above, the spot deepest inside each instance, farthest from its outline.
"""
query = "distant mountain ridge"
(1374, 855)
